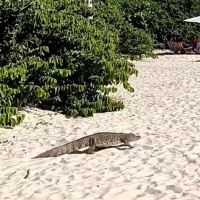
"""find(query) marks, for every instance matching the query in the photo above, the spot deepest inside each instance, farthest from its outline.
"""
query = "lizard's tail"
(57, 151)
(66, 148)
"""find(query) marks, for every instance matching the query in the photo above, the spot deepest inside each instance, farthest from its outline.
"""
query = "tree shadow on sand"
(172, 53)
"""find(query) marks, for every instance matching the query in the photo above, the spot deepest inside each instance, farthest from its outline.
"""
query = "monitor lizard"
(102, 139)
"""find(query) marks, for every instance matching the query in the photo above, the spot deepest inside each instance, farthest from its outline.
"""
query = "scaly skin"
(103, 139)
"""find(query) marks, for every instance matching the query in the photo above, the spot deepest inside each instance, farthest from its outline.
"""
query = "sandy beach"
(164, 164)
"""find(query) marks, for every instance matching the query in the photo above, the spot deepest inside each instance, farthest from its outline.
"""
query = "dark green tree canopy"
(163, 18)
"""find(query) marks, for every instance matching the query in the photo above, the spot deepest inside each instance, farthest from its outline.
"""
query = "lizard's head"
(133, 137)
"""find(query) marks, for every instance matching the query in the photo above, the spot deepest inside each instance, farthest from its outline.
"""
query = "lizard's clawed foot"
(89, 151)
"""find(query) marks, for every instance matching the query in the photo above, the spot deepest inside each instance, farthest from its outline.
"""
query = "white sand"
(165, 164)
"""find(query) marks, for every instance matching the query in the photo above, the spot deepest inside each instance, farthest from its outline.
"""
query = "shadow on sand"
(119, 147)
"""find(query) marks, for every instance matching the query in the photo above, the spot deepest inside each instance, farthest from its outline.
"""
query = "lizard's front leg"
(125, 141)
(92, 144)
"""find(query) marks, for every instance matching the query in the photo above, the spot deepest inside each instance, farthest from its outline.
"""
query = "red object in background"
(195, 40)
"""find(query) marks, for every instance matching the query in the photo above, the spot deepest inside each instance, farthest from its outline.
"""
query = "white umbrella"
(194, 19)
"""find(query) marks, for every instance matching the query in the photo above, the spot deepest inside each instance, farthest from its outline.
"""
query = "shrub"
(54, 57)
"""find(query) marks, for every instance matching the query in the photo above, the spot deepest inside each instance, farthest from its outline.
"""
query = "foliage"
(132, 41)
(163, 18)
(54, 57)
(9, 115)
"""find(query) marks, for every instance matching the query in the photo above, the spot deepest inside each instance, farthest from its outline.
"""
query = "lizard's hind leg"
(92, 144)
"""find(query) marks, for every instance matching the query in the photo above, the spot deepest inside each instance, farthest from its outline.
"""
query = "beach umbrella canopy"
(194, 19)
